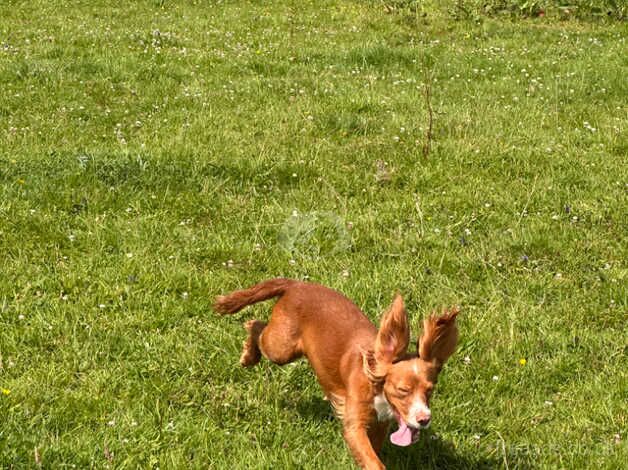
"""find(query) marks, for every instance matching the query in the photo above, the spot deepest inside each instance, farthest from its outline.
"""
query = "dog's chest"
(382, 408)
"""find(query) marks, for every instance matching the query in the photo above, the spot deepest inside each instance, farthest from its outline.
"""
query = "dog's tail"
(236, 301)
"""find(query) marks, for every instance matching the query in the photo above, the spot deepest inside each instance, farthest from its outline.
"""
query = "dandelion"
(522, 361)
(5, 391)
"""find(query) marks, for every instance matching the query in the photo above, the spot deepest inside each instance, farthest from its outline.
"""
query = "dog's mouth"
(405, 435)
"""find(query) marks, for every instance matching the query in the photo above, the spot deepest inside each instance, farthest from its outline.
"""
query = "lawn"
(156, 154)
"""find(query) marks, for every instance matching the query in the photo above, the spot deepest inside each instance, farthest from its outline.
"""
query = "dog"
(365, 373)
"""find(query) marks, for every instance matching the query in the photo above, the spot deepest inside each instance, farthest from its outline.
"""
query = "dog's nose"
(423, 421)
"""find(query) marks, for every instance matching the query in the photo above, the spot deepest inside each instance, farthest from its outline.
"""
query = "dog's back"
(308, 319)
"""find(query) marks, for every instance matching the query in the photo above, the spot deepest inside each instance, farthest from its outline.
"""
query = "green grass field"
(157, 154)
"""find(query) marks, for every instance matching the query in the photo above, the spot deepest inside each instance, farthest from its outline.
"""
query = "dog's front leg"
(355, 430)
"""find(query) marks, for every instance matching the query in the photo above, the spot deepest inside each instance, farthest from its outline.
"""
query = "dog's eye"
(402, 391)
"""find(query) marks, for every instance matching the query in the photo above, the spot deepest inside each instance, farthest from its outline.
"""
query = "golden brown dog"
(366, 374)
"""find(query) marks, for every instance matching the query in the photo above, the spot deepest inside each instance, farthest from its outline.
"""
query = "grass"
(155, 155)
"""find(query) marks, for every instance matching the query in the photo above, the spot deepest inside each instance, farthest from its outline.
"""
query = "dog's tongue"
(403, 436)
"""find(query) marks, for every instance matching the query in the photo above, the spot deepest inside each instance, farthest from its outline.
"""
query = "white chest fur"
(382, 408)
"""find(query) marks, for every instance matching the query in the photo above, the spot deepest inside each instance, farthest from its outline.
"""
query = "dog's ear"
(439, 338)
(394, 335)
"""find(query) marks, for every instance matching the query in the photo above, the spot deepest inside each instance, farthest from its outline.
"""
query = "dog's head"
(407, 381)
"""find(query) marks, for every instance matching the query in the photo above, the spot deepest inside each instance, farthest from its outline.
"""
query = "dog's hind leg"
(251, 354)
(280, 340)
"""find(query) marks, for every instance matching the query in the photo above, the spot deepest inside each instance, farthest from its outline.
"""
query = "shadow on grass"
(430, 452)
(315, 409)
(434, 453)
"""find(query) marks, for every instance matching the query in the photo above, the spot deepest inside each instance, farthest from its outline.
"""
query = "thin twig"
(427, 144)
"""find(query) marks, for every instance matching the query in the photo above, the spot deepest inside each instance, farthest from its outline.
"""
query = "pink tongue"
(402, 436)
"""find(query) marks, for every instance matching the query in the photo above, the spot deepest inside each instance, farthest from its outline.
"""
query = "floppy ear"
(439, 338)
(391, 342)
(394, 335)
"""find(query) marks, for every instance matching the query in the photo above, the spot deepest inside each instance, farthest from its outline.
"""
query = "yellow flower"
(522, 361)
(5, 391)
(21, 181)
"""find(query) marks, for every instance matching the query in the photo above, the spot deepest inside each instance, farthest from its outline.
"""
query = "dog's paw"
(250, 354)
